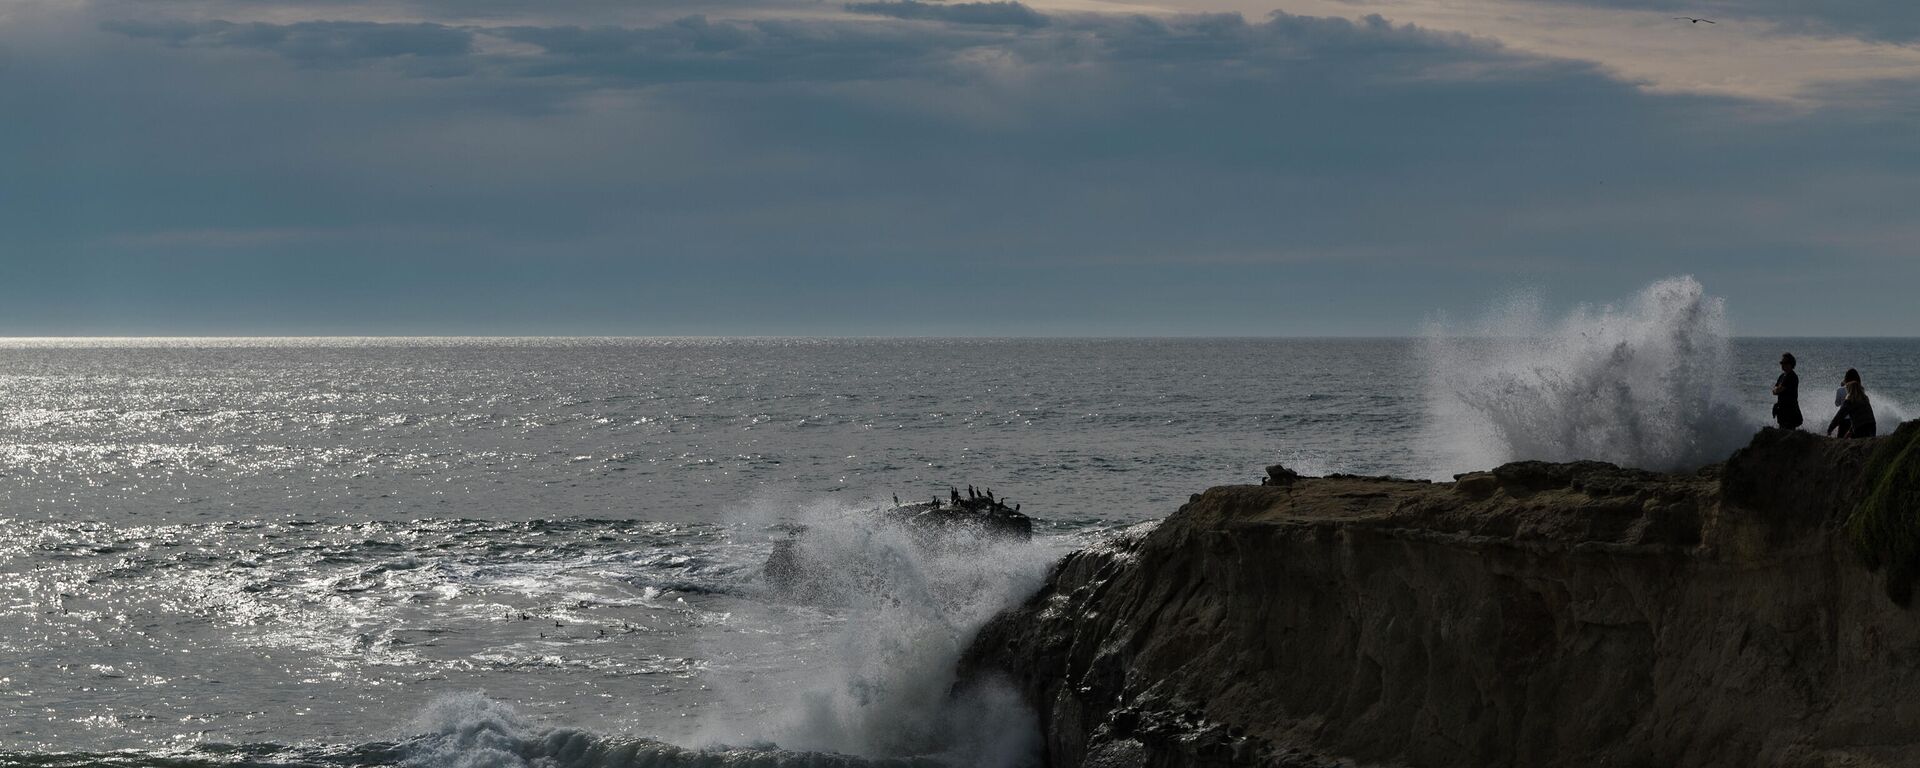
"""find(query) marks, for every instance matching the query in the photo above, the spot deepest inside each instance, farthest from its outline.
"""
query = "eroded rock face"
(1536, 615)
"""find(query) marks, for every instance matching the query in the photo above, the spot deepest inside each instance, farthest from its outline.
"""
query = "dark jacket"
(1855, 419)
(1787, 408)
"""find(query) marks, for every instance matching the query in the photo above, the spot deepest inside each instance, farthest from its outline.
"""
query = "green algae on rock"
(1885, 527)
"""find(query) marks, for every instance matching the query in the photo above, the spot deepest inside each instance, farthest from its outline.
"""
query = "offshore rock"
(972, 520)
(1278, 474)
(985, 515)
(1539, 614)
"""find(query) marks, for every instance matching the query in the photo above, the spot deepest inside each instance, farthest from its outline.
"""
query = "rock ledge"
(1536, 615)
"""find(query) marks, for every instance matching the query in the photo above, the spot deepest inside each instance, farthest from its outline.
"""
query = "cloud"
(699, 49)
(309, 42)
(1887, 20)
(1746, 55)
(1284, 174)
(695, 49)
(1010, 14)
(451, 12)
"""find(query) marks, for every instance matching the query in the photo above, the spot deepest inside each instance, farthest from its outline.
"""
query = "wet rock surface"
(982, 514)
(1538, 614)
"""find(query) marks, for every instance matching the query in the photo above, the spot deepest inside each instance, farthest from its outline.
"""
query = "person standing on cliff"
(1786, 391)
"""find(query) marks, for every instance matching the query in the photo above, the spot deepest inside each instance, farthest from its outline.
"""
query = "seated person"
(1855, 418)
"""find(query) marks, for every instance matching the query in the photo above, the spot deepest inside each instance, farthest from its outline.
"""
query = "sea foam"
(472, 731)
(1645, 383)
(881, 683)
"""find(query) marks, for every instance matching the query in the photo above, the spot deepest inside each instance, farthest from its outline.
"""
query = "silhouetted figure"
(989, 495)
(1786, 392)
(955, 493)
(1840, 392)
(896, 499)
(1692, 19)
(1855, 418)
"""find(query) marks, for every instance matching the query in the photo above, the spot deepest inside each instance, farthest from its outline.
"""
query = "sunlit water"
(497, 552)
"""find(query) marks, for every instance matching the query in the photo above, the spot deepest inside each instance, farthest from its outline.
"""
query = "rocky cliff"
(1535, 615)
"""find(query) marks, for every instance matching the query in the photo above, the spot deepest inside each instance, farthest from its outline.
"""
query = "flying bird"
(1694, 20)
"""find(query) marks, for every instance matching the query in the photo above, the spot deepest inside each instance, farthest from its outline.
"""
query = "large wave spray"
(1644, 384)
(901, 608)
(854, 666)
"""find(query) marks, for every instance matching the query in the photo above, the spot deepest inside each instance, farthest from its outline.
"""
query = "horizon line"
(746, 337)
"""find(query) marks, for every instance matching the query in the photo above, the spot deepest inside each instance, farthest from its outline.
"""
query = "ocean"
(502, 552)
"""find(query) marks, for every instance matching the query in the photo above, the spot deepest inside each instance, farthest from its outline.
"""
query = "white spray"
(905, 607)
(472, 731)
(1646, 384)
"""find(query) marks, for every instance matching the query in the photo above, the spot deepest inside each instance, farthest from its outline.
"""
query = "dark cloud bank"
(1000, 13)
(310, 41)
(1063, 173)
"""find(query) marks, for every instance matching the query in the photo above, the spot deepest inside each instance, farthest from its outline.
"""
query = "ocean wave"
(466, 731)
(1644, 384)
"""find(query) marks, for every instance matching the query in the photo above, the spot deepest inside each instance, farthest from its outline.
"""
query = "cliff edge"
(1536, 615)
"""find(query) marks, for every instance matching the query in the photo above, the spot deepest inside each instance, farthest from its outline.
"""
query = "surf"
(1643, 383)
(899, 609)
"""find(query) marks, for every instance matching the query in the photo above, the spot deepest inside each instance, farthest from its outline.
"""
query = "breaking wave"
(1646, 383)
(903, 605)
(475, 732)
(463, 731)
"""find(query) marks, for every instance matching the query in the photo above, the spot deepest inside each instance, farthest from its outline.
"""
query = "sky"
(922, 167)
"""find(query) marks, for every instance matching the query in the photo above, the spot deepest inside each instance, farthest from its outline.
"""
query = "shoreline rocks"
(1537, 614)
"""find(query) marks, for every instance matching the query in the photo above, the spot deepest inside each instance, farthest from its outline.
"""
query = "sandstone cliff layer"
(1536, 615)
